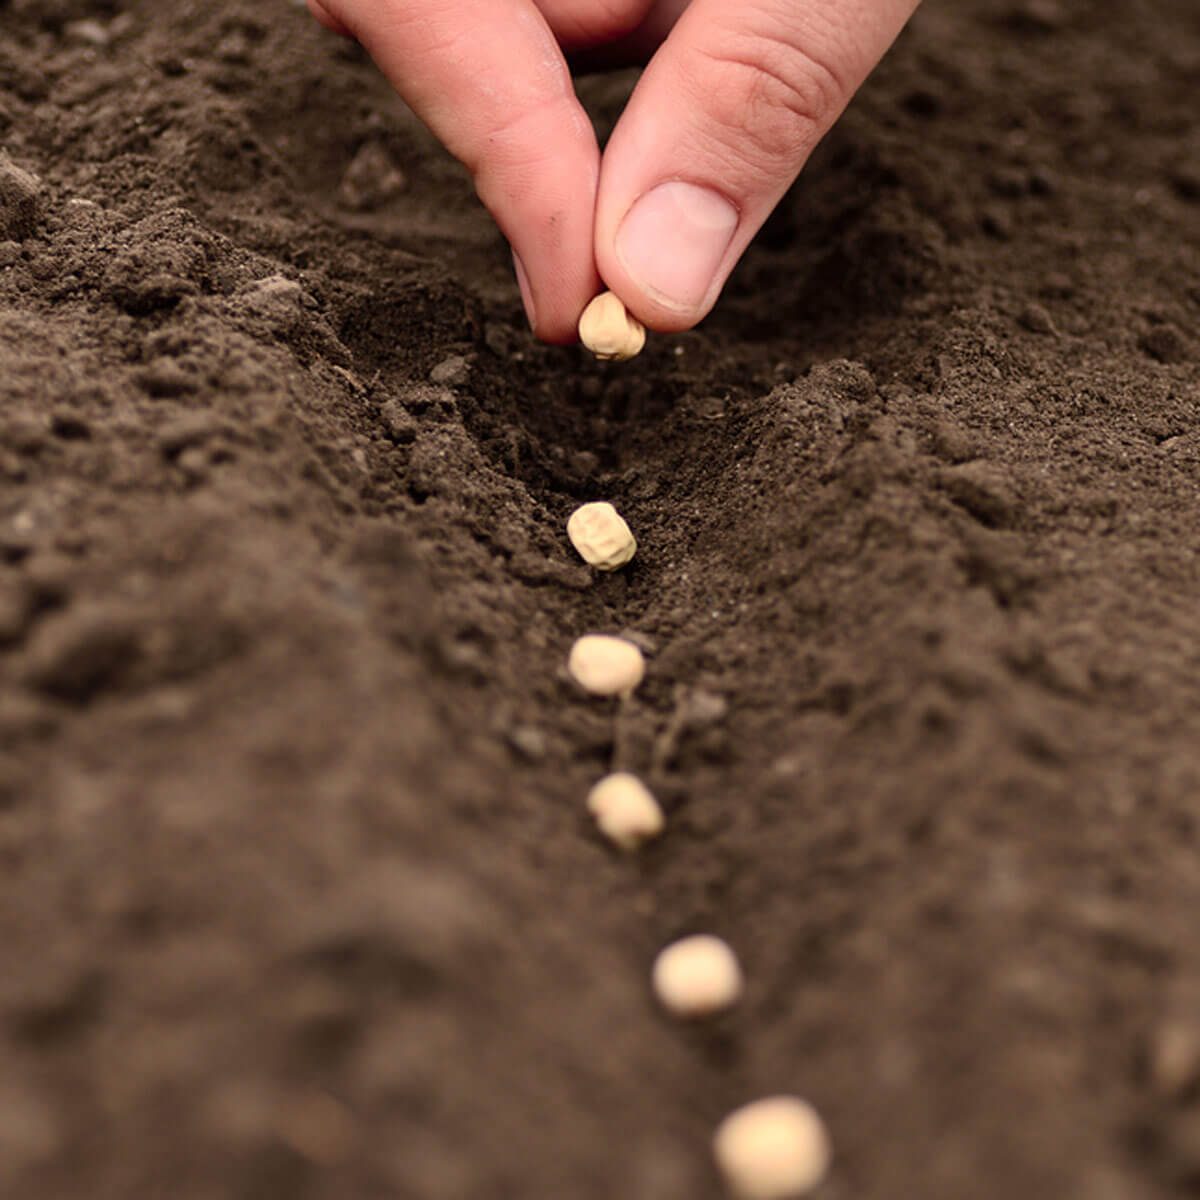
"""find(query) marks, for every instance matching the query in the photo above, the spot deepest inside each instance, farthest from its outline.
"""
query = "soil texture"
(298, 894)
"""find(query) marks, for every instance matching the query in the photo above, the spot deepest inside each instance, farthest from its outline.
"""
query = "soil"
(298, 896)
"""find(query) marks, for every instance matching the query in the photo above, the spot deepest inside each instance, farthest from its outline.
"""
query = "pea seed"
(609, 330)
(625, 810)
(601, 536)
(697, 977)
(773, 1149)
(606, 666)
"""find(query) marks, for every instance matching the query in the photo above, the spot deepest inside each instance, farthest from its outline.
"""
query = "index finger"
(489, 80)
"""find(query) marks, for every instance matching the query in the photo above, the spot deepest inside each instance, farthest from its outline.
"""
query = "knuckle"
(769, 94)
(520, 136)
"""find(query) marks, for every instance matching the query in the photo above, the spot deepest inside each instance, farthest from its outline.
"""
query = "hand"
(736, 95)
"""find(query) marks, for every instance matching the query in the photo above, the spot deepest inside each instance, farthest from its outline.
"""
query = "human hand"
(736, 95)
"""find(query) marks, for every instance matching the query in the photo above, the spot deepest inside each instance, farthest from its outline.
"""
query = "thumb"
(718, 128)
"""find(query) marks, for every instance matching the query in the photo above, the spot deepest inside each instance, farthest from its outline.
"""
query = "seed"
(606, 666)
(609, 330)
(773, 1149)
(601, 536)
(697, 977)
(626, 812)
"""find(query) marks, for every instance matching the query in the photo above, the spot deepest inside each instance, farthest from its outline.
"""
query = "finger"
(581, 23)
(323, 15)
(489, 80)
(718, 128)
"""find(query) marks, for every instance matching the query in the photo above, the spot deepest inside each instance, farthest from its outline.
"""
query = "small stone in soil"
(1036, 319)
(697, 977)
(398, 421)
(529, 742)
(454, 371)
(606, 666)
(625, 810)
(371, 180)
(773, 1149)
(19, 195)
(88, 33)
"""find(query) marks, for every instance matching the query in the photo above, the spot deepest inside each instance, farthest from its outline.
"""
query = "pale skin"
(735, 96)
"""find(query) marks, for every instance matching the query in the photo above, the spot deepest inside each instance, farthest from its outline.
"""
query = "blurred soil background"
(298, 897)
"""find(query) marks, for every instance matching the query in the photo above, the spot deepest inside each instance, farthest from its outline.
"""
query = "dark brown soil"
(297, 893)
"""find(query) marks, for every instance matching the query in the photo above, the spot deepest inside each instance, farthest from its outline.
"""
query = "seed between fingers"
(610, 331)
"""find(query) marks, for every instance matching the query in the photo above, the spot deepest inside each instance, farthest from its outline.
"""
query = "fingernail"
(526, 291)
(673, 240)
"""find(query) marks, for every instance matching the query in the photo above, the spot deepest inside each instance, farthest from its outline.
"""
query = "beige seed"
(601, 536)
(609, 330)
(773, 1149)
(606, 666)
(697, 977)
(626, 811)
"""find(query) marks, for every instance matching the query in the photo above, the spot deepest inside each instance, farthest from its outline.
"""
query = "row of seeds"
(772, 1149)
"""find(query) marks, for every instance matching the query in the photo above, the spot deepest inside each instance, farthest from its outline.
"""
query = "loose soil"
(298, 896)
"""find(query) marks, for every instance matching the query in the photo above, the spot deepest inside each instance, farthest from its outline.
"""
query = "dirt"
(298, 897)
